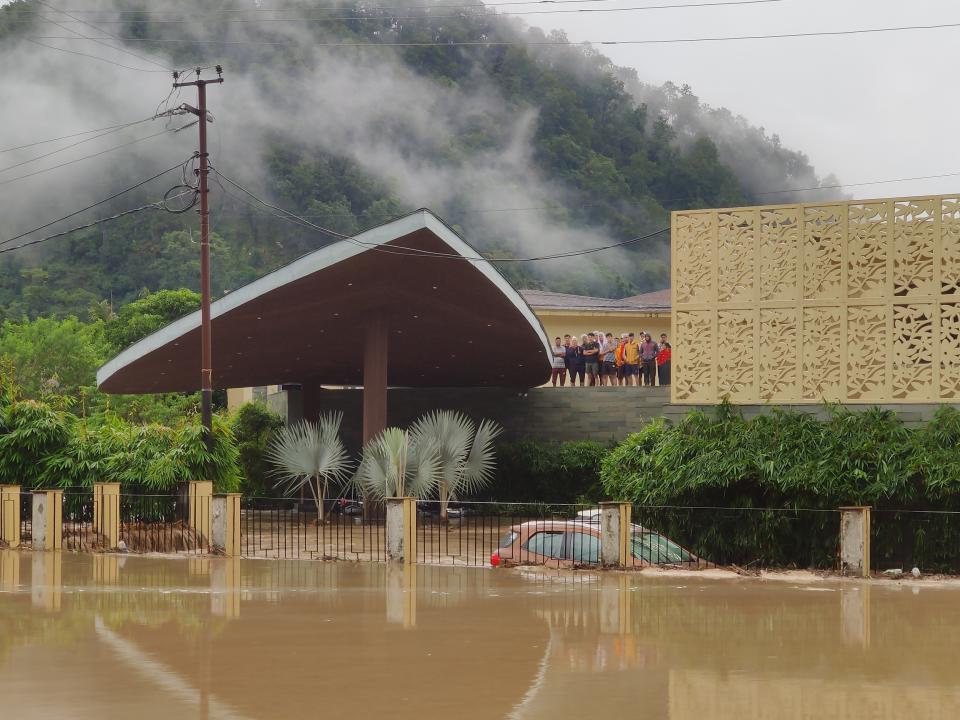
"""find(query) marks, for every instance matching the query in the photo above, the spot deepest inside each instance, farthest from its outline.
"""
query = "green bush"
(532, 471)
(788, 459)
(254, 427)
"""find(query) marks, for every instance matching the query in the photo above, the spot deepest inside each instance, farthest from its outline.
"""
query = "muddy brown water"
(110, 636)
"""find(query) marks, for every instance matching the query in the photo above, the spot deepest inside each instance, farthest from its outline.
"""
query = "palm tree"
(464, 451)
(397, 463)
(312, 455)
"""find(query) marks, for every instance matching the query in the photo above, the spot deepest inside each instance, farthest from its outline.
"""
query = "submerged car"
(570, 543)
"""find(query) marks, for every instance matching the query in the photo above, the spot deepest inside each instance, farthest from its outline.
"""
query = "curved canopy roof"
(452, 321)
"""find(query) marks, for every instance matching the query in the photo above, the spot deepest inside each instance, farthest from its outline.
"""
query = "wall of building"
(602, 414)
(557, 323)
(852, 302)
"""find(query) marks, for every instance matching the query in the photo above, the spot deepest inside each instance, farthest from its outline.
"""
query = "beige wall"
(566, 322)
(852, 302)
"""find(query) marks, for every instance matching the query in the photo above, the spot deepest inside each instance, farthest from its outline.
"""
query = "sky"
(867, 107)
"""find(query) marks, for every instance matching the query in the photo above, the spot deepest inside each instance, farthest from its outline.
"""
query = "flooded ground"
(111, 636)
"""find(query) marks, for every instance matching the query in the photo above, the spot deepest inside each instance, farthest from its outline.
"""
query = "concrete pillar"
(402, 529)
(199, 510)
(47, 523)
(855, 541)
(615, 534)
(402, 594)
(46, 584)
(225, 584)
(10, 515)
(225, 523)
(106, 513)
(374, 377)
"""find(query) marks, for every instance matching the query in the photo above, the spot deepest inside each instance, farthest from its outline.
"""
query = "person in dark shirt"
(575, 362)
(591, 358)
(648, 360)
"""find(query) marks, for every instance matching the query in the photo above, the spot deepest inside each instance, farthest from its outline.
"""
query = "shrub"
(532, 471)
(254, 427)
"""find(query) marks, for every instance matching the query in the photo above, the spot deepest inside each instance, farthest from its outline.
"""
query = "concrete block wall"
(604, 414)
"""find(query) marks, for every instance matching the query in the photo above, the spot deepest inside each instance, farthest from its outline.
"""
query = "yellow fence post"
(10, 515)
(106, 513)
(199, 498)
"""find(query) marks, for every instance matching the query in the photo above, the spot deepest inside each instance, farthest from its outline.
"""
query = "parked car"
(569, 543)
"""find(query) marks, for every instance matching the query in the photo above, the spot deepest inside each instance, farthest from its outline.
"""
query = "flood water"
(110, 636)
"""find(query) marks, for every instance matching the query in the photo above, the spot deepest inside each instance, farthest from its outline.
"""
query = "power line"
(151, 206)
(344, 8)
(76, 134)
(535, 43)
(410, 251)
(99, 202)
(92, 155)
(98, 29)
(66, 147)
(38, 42)
(479, 8)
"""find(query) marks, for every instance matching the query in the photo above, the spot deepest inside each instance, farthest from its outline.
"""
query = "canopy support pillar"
(374, 376)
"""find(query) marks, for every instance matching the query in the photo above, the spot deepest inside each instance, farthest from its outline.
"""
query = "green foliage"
(790, 459)
(53, 356)
(151, 312)
(30, 431)
(532, 471)
(254, 427)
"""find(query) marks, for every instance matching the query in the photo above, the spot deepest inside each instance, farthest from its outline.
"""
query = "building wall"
(855, 302)
(560, 414)
(567, 322)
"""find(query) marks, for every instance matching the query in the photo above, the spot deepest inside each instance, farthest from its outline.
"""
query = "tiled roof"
(658, 301)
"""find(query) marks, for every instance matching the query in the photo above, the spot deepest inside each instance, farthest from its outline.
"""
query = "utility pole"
(206, 345)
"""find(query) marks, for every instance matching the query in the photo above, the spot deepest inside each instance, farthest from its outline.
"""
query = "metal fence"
(288, 528)
(473, 531)
(749, 538)
(78, 532)
(161, 523)
(26, 516)
(907, 539)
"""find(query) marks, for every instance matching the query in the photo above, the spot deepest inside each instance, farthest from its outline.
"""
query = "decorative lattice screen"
(853, 302)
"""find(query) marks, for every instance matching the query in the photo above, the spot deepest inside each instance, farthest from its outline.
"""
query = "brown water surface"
(110, 636)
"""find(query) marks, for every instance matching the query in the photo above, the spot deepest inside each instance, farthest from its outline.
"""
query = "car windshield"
(655, 548)
(508, 539)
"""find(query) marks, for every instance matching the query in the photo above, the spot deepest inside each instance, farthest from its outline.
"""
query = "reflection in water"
(227, 638)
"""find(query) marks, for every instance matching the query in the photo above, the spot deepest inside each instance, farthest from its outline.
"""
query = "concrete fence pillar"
(47, 523)
(855, 541)
(402, 529)
(225, 523)
(199, 510)
(10, 515)
(615, 534)
(106, 513)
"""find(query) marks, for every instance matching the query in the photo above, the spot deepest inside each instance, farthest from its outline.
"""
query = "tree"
(397, 463)
(464, 452)
(151, 312)
(310, 455)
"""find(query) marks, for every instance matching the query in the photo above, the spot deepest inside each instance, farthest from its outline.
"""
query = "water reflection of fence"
(925, 539)
(473, 531)
(746, 537)
(278, 528)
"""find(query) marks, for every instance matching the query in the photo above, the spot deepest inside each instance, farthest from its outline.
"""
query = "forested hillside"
(523, 149)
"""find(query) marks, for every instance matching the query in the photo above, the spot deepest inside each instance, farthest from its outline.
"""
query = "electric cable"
(539, 43)
(410, 251)
(479, 8)
(87, 157)
(35, 41)
(76, 134)
(98, 29)
(96, 204)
